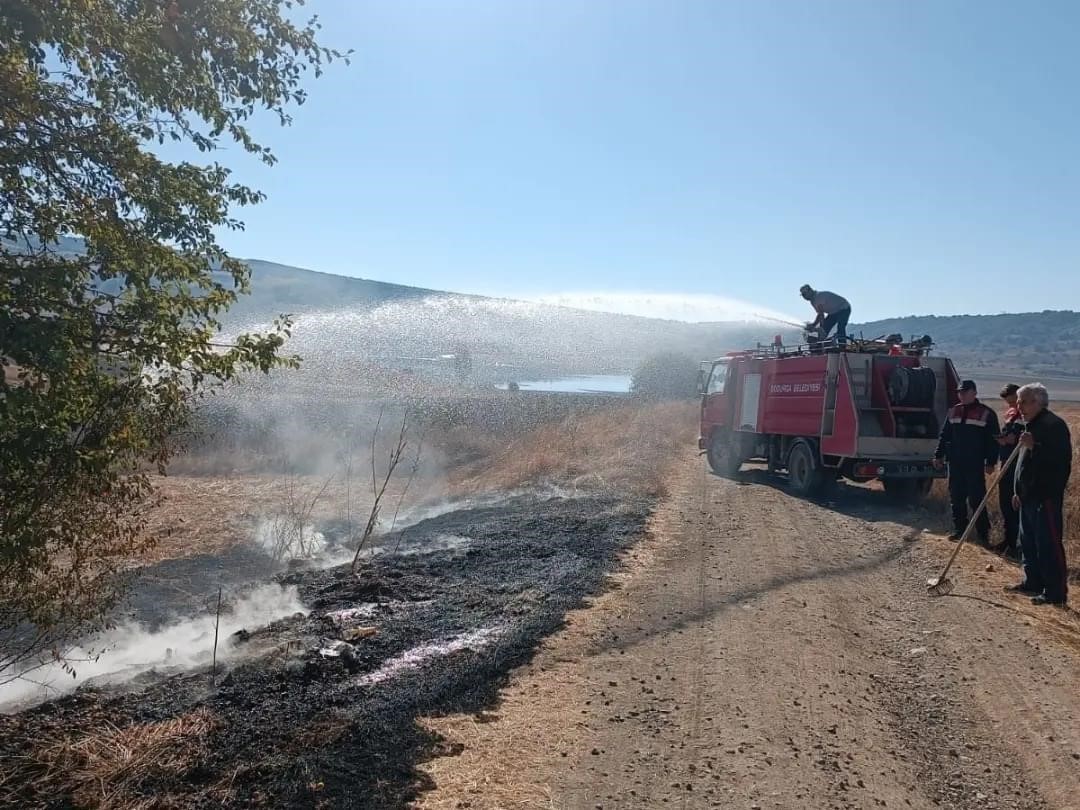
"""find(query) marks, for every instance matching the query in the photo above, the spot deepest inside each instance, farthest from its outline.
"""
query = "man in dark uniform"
(969, 443)
(1011, 428)
(1042, 474)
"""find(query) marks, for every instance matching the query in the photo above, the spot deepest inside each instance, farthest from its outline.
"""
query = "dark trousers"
(967, 488)
(1009, 517)
(1043, 548)
(840, 321)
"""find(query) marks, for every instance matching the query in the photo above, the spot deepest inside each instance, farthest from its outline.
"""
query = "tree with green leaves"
(112, 282)
(666, 375)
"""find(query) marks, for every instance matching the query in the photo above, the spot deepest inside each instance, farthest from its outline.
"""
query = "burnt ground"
(174, 588)
(296, 727)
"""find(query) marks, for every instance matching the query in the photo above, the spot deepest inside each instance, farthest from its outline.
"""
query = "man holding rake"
(1042, 473)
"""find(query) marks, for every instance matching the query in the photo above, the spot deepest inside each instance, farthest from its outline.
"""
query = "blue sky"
(917, 157)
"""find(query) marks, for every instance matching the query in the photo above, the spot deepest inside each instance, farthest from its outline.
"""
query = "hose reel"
(912, 387)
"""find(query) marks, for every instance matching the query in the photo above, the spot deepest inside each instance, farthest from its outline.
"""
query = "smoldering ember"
(331, 645)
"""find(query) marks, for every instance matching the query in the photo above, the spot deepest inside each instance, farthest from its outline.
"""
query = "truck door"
(714, 402)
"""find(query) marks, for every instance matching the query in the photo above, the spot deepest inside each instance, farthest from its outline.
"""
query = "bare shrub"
(380, 483)
(290, 533)
(668, 375)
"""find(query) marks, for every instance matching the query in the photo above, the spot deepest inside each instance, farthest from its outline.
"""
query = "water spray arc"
(780, 320)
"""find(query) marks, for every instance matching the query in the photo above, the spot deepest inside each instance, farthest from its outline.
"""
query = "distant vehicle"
(870, 411)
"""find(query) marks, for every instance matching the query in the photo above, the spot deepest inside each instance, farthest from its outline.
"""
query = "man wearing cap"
(968, 443)
(832, 311)
(1011, 428)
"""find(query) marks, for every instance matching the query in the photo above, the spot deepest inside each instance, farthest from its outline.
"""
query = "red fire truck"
(868, 410)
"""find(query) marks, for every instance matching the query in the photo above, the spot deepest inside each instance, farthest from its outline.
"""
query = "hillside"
(275, 288)
(339, 317)
(278, 288)
(423, 333)
(1027, 344)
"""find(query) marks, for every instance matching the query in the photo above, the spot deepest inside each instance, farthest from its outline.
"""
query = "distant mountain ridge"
(280, 288)
(1025, 344)
(275, 288)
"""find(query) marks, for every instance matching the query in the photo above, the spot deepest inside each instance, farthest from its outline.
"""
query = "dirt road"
(761, 651)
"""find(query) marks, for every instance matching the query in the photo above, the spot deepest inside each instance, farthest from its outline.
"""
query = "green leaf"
(107, 348)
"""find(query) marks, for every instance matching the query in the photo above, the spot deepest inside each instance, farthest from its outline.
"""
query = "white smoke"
(284, 538)
(130, 649)
(425, 511)
(416, 657)
(452, 544)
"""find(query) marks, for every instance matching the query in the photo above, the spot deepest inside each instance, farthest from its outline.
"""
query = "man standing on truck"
(1011, 428)
(832, 310)
(1041, 477)
(969, 443)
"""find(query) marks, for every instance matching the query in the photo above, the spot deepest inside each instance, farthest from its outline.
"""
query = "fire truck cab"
(868, 410)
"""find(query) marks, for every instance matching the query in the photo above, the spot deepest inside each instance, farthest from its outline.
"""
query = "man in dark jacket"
(1042, 473)
(968, 442)
(1011, 428)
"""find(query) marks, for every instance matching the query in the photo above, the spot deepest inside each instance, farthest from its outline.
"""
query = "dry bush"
(219, 461)
(628, 446)
(289, 531)
(462, 448)
(112, 767)
(203, 513)
(206, 515)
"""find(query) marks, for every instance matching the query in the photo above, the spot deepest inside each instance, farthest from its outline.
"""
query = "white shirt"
(829, 302)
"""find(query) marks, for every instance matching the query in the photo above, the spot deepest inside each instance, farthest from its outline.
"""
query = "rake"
(942, 585)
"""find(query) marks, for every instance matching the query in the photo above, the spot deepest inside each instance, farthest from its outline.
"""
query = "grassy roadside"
(626, 447)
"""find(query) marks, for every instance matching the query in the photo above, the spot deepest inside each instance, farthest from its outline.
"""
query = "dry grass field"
(628, 447)
(207, 505)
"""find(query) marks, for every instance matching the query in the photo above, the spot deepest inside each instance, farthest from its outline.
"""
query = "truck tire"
(723, 455)
(805, 474)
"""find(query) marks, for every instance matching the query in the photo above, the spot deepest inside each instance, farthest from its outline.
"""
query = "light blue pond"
(578, 384)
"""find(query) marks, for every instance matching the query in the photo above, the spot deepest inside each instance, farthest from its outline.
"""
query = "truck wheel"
(723, 458)
(804, 471)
